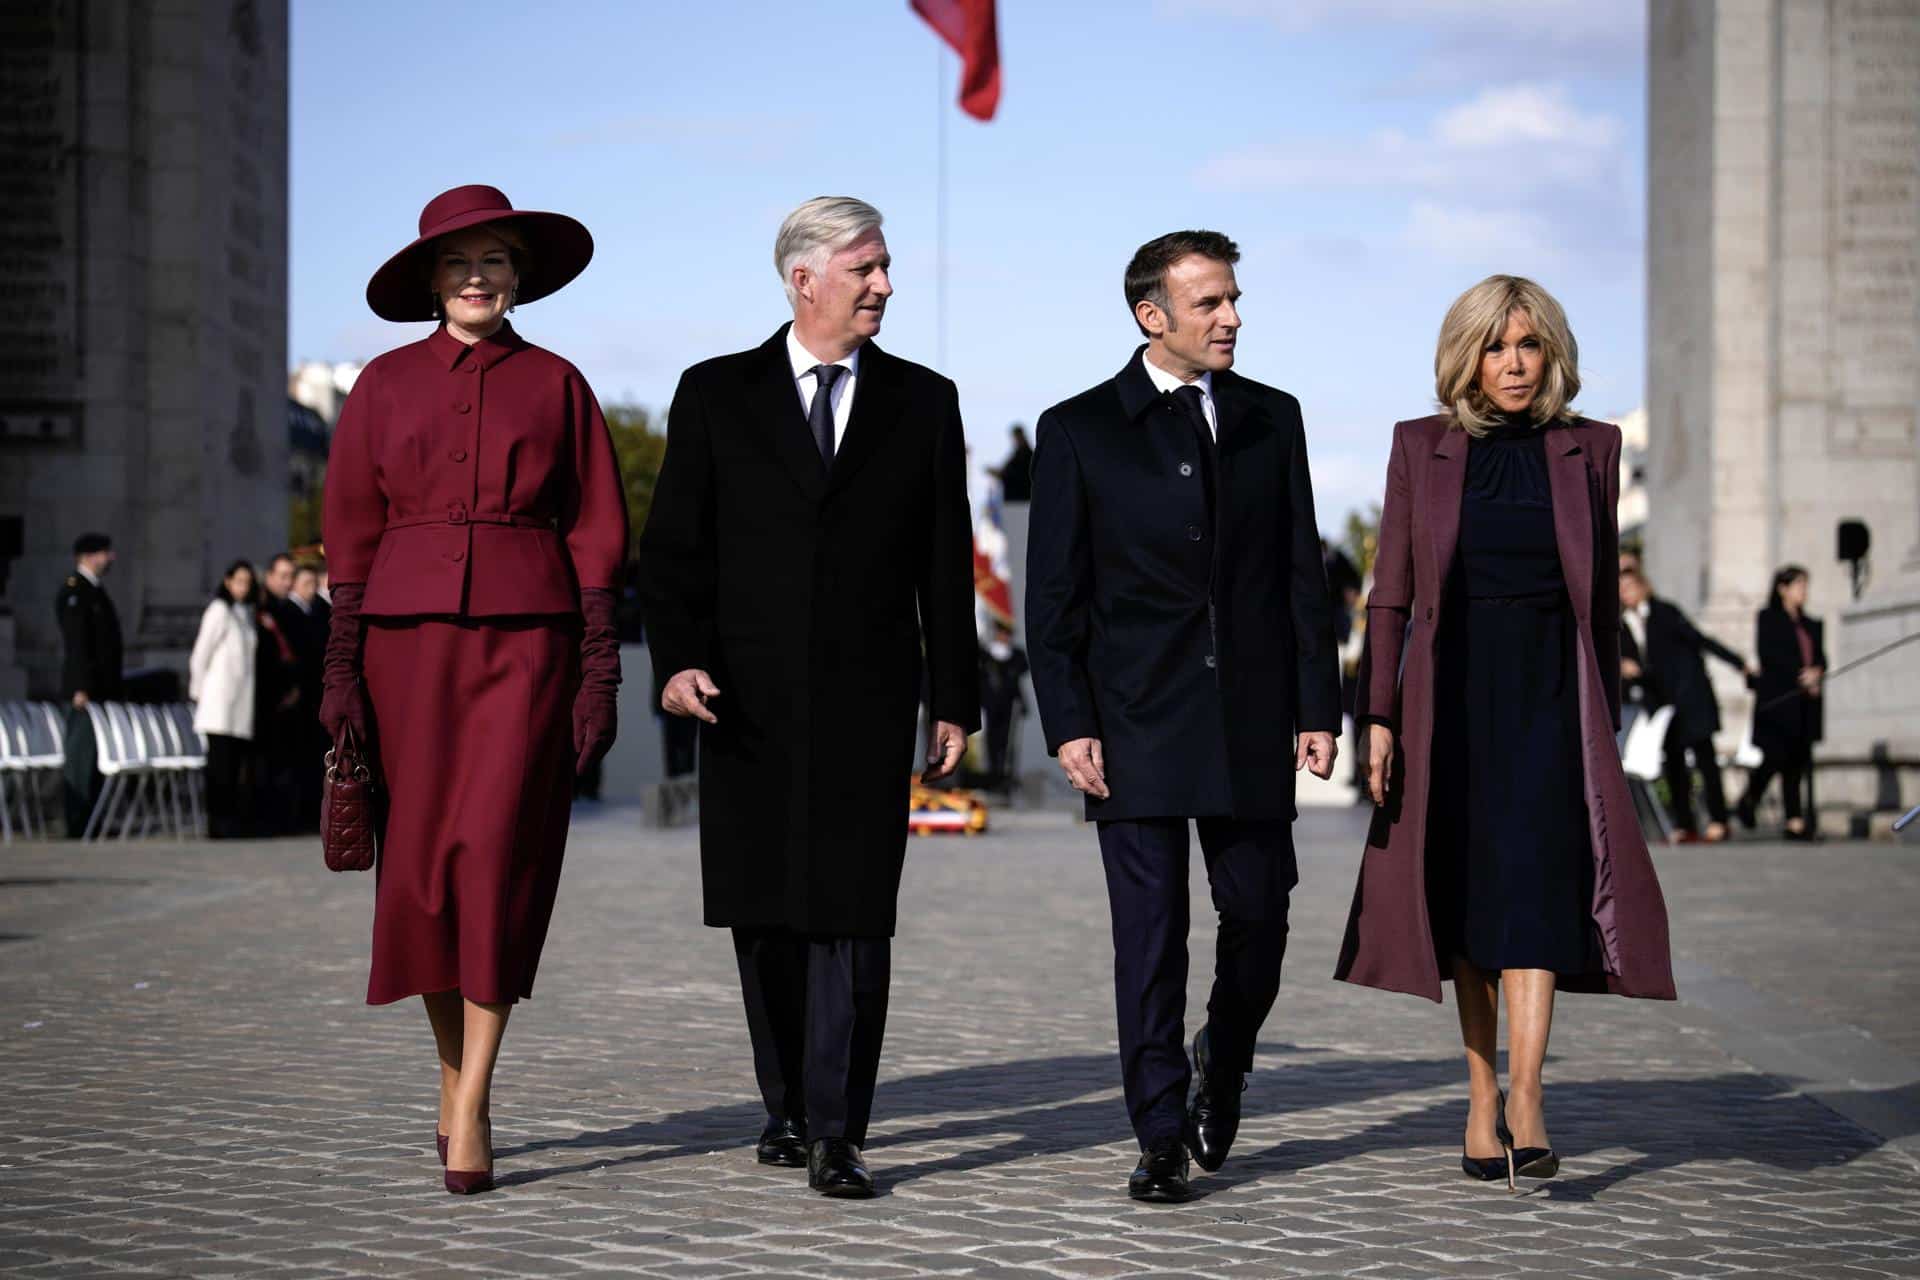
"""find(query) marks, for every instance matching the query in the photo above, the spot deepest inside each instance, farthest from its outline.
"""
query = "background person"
(1505, 802)
(222, 671)
(280, 739)
(479, 651)
(1788, 713)
(1663, 652)
(91, 653)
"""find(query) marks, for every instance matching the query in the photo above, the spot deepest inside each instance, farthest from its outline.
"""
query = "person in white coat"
(221, 685)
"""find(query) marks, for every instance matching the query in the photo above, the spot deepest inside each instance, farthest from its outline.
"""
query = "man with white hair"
(809, 538)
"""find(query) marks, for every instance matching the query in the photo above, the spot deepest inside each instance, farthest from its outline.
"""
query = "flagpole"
(940, 208)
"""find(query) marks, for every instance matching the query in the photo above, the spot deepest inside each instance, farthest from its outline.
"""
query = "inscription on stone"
(39, 218)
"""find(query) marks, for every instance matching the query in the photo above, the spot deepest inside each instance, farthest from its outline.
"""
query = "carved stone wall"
(1784, 323)
(143, 246)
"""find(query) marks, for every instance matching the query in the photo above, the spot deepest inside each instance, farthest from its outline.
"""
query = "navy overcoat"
(1193, 649)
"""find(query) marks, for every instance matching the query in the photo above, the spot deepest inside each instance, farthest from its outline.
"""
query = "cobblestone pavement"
(193, 1086)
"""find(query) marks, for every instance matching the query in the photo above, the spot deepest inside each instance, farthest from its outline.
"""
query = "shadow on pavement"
(1041, 1107)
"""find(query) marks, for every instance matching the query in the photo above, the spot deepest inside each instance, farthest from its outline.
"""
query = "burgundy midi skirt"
(474, 726)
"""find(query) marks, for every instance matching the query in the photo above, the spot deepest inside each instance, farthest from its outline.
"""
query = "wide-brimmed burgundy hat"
(558, 249)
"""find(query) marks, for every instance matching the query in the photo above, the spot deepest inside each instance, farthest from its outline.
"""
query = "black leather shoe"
(1161, 1175)
(783, 1142)
(836, 1168)
(1214, 1117)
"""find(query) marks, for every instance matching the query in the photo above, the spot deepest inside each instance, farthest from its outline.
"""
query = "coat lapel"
(780, 419)
(1446, 485)
(1573, 503)
(878, 396)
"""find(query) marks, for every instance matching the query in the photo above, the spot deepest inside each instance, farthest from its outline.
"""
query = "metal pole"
(940, 210)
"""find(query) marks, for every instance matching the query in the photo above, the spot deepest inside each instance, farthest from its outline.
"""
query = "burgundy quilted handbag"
(348, 836)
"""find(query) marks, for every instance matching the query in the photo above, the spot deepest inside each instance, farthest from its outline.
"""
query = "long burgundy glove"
(343, 697)
(595, 717)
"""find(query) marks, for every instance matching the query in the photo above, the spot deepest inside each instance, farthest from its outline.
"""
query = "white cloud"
(1496, 240)
(1528, 137)
(1524, 114)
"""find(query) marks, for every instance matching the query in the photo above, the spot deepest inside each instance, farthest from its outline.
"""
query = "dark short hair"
(278, 558)
(1147, 273)
(88, 543)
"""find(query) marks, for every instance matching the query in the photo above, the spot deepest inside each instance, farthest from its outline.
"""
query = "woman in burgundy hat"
(475, 524)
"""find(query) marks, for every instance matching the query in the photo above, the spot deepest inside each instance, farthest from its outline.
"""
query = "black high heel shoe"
(1528, 1162)
(1491, 1168)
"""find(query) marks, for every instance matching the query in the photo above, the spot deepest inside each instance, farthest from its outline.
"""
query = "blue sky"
(1372, 157)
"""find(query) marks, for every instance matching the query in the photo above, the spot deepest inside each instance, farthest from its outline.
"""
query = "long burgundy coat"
(1389, 941)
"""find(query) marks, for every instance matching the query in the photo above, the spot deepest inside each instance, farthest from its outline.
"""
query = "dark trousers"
(999, 717)
(1251, 868)
(80, 781)
(1792, 769)
(230, 787)
(1680, 782)
(680, 739)
(816, 1011)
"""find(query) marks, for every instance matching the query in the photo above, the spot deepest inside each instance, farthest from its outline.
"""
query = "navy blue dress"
(1510, 866)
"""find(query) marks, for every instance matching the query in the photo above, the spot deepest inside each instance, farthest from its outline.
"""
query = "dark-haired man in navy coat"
(1182, 654)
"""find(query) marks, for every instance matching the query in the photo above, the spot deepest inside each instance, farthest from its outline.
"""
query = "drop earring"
(438, 312)
(513, 299)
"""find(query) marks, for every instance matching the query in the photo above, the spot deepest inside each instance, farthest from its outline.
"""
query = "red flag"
(968, 26)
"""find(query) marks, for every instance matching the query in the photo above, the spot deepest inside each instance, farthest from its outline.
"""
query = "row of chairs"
(32, 754)
(152, 763)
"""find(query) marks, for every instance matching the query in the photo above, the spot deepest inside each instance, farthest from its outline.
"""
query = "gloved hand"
(595, 717)
(343, 695)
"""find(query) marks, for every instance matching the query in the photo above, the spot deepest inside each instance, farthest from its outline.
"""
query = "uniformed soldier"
(90, 669)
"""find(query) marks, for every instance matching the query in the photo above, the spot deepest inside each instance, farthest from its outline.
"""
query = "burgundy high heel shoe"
(440, 1141)
(463, 1182)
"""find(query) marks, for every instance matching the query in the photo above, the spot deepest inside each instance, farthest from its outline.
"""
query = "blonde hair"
(1479, 316)
(816, 231)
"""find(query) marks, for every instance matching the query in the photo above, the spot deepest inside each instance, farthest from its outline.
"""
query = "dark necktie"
(820, 412)
(1188, 398)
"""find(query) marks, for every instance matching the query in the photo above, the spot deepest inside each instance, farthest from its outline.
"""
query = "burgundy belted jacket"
(473, 481)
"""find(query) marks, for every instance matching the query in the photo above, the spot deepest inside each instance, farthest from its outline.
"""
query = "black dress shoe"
(1161, 1175)
(1214, 1117)
(836, 1168)
(783, 1142)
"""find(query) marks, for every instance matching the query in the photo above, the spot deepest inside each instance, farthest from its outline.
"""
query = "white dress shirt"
(1165, 381)
(1636, 620)
(87, 573)
(806, 384)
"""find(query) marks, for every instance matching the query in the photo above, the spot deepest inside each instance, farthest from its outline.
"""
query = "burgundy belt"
(460, 515)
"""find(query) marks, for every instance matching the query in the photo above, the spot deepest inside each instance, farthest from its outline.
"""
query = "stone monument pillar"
(1783, 333)
(143, 336)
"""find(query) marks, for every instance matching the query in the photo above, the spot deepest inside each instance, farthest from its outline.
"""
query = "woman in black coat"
(1787, 715)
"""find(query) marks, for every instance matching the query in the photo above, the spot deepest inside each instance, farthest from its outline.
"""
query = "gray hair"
(816, 231)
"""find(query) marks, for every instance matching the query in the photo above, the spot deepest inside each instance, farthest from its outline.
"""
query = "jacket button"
(458, 455)
(461, 406)
(1210, 661)
(1186, 468)
(1193, 533)
(458, 556)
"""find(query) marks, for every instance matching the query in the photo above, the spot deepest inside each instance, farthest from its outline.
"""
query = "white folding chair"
(189, 747)
(119, 755)
(168, 763)
(16, 776)
(1641, 759)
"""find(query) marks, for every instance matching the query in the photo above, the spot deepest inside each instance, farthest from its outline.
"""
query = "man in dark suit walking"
(1183, 658)
(809, 535)
(1662, 655)
(91, 655)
